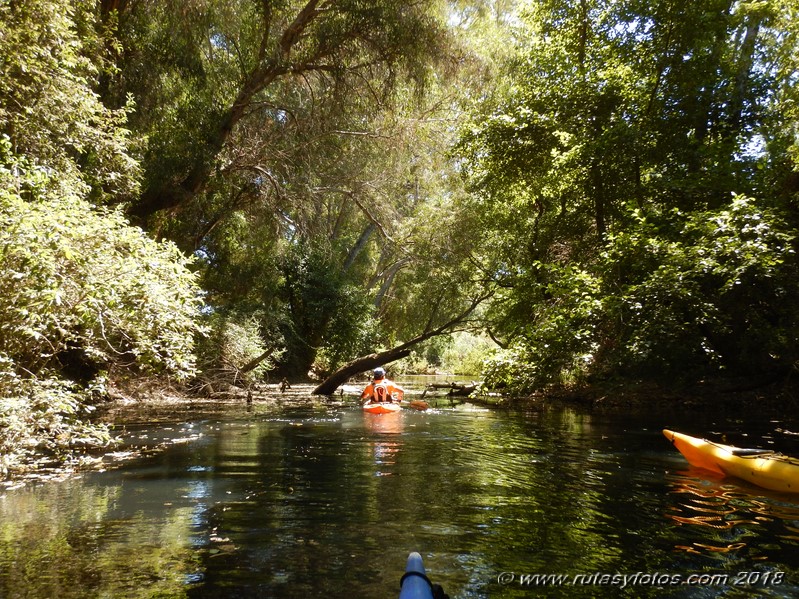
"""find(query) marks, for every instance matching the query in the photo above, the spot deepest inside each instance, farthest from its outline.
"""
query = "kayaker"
(381, 390)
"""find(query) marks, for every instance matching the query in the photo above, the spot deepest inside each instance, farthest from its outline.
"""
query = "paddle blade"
(418, 404)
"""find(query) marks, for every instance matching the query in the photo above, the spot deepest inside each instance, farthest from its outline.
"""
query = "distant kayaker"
(382, 390)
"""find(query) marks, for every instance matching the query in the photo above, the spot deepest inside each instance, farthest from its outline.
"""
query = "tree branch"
(294, 31)
(252, 364)
(329, 385)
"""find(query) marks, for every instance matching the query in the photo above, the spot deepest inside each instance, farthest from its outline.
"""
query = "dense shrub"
(225, 354)
(674, 296)
(50, 61)
(81, 283)
(84, 293)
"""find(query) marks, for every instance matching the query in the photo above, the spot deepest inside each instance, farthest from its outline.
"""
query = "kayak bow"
(415, 584)
(767, 469)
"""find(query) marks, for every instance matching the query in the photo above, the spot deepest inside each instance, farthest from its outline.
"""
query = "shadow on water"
(318, 499)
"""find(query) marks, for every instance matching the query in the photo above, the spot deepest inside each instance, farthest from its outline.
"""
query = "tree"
(48, 110)
(381, 358)
(637, 121)
(287, 147)
(87, 298)
(240, 62)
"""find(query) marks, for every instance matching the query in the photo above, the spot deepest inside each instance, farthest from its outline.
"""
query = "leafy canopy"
(633, 177)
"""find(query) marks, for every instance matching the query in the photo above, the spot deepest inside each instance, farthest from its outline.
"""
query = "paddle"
(418, 404)
(414, 404)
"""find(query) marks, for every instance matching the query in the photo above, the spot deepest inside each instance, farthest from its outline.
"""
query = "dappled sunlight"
(312, 496)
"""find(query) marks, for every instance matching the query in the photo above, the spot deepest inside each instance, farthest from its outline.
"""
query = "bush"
(82, 285)
(674, 297)
(231, 344)
(702, 293)
(467, 353)
(49, 67)
(44, 417)
(83, 293)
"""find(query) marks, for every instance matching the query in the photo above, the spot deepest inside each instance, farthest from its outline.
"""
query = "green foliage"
(80, 280)
(438, 274)
(557, 342)
(353, 331)
(229, 346)
(254, 97)
(467, 353)
(328, 317)
(44, 415)
(712, 292)
(634, 179)
(295, 145)
(83, 292)
(48, 109)
(673, 297)
(461, 353)
(85, 296)
(426, 358)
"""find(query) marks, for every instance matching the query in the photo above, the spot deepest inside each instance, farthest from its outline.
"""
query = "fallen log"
(371, 361)
(455, 389)
(343, 374)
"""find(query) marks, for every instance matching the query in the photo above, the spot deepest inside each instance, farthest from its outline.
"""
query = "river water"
(309, 498)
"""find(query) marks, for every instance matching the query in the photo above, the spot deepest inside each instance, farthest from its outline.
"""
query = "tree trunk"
(390, 273)
(170, 195)
(598, 192)
(583, 43)
(329, 385)
(252, 364)
(742, 77)
(359, 245)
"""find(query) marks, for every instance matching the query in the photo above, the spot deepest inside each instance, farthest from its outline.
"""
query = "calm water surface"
(321, 500)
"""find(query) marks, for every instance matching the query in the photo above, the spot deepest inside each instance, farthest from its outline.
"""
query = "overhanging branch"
(329, 385)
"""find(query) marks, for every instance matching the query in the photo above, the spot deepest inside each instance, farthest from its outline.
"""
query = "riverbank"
(149, 403)
(154, 402)
(636, 397)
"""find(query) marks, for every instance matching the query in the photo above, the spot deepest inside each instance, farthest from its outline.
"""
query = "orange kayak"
(764, 468)
(381, 408)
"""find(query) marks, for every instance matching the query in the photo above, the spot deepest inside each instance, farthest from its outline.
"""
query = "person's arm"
(367, 393)
(397, 392)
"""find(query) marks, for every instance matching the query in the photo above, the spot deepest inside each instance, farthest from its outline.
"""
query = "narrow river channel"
(317, 499)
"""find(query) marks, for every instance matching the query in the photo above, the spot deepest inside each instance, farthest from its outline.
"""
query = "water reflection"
(383, 424)
(322, 500)
(743, 519)
(384, 445)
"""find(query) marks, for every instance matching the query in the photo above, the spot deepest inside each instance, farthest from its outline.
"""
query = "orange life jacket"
(382, 390)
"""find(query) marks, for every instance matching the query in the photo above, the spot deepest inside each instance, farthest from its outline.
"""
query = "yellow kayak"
(761, 467)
